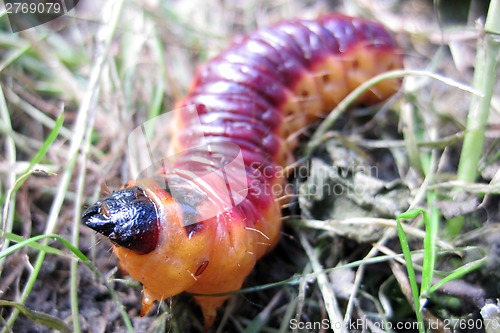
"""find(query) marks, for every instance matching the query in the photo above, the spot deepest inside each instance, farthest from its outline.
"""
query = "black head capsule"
(128, 217)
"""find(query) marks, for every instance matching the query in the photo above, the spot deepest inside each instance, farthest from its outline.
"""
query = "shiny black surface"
(127, 217)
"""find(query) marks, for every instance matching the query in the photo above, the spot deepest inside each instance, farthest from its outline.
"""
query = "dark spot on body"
(201, 268)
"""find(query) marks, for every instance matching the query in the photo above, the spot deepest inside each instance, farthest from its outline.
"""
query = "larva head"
(128, 217)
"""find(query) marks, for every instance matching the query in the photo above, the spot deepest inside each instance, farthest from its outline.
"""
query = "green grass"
(427, 286)
(488, 51)
(69, 99)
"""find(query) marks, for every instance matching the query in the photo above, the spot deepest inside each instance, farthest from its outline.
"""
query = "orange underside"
(219, 257)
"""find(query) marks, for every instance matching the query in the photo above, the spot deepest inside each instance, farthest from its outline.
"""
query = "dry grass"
(339, 259)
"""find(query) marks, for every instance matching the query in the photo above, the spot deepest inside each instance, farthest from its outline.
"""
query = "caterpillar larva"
(249, 100)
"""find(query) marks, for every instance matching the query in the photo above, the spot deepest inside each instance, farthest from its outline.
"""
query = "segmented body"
(254, 96)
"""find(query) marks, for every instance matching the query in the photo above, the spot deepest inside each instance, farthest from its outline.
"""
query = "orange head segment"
(154, 239)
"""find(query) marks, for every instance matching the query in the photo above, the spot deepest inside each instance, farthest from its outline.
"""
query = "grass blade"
(29, 241)
(346, 102)
(429, 250)
(40, 247)
(458, 273)
(43, 149)
(39, 317)
(409, 265)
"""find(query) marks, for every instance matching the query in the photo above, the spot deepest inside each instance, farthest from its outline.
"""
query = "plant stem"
(485, 78)
(484, 81)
